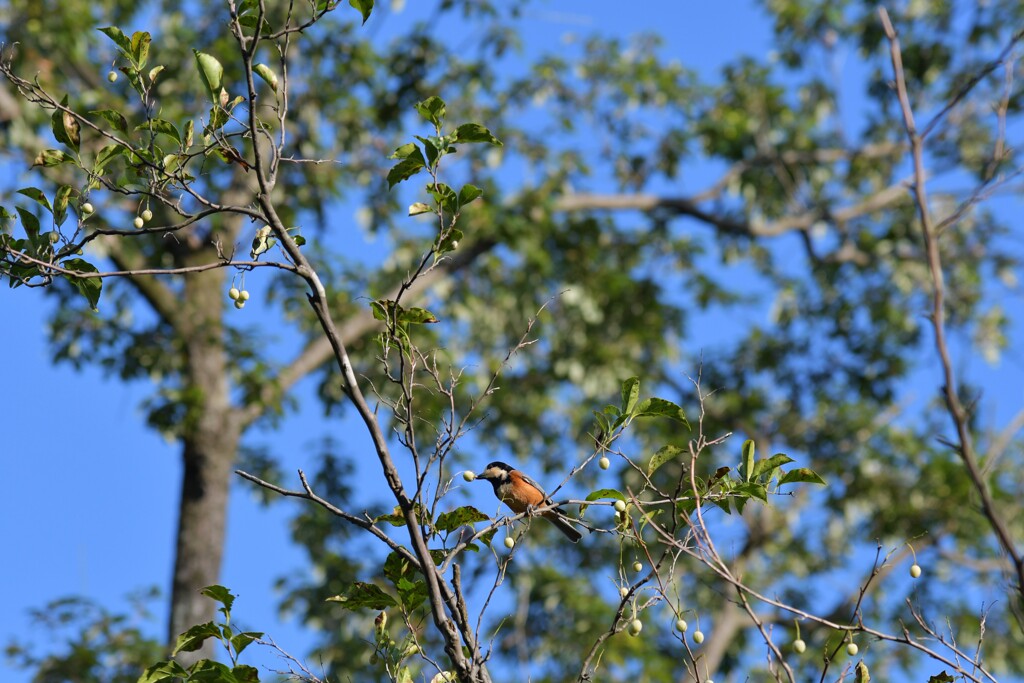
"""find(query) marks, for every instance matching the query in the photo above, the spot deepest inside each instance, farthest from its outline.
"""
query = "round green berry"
(244, 295)
(698, 636)
(87, 208)
(147, 215)
(852, 649)
(469, 475)
(915, 570)
(233, 294)
(604, 463)
(799, 646)
(509, 542)
(112, 76)
(635, 627)
(138, 222)
(620, 506)
(681, 625)
(638, 566)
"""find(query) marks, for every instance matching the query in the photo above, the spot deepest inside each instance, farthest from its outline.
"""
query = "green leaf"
(220, 594)
(396, 518)
(60, 204)
(140, 48)
(405, 169)
(154, 72)
(267, 74)
(411, 593)
(417, 316)
(449, 521)
(245, 673)
(65, 127)
(193, 639)
(29, 222)
(163, 672)
(607, 493)
(161, 126)
(405, 151)
(432, 109)
(474, 132)
(630, 394)
(747, 466)
(751, 489)
(242, 640)
(801, 474)
(396, 566)
(106, 155)
(364, 7)
(769, 464)
(469, 193)
(364, 596)
(218, 117)
(114, 118)
(119, 38)
(209, 671)
(665, 454)
(659, 407)
(36, 194)
(416, 208)
(450, 241)
(212, 73)
(941, 678)
(52, 157)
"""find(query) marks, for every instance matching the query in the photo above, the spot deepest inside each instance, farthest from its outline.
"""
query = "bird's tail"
(557, 518)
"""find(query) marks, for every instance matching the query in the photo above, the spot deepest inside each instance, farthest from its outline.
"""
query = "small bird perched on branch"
(522, 494)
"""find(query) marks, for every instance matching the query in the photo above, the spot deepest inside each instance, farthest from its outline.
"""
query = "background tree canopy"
(759, 243)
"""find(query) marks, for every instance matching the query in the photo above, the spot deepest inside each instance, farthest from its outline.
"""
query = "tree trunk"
(210, 439)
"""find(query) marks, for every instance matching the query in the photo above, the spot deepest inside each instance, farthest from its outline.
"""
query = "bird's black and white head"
(496, 472)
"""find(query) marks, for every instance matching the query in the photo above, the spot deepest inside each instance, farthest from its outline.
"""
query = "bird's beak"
(480, 475)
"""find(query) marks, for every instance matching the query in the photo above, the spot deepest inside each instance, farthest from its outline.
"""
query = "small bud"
(604, 463)
(112, 76)
(469, 475)
(620, 506)
(852, 649)
(799, 646)
(509, 542)
(138, 222)
(698, 637)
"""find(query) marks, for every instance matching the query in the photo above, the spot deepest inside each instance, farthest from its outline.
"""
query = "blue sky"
(91, 494)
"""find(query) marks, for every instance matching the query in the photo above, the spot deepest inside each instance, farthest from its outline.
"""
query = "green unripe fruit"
(698, 637)
(468, 475)
(799, 646)
(681, 625)
(620, 506)
(87, 208)
(623, 591)
(244, 295)
(852, 649)
(147, 215)
(638, 566)
(635, 627)
(138, 222)
(54, 237)
(509, 542)
(915, 570)
(233, 294)
(604, 463)
(239, 304)
(112, 76)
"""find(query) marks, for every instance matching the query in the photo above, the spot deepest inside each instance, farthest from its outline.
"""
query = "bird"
(521, 494)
